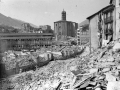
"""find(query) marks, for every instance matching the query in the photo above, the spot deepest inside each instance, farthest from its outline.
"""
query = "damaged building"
(83, 34)
(104, 24)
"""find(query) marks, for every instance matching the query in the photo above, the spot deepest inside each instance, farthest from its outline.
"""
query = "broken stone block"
(117, 73)
(116, 47)
(93, 83)
(73, 68)
(101, 77)
(89, 88)
(106, 70)
(110, 59)
(113, 85)
(104, 43)
(110, 77)
(98, 88)
(118, 67)
(106, 64)
(93, 70)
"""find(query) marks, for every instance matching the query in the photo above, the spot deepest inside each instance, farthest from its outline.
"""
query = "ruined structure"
(83, 34)
(19, 41)
(102, 26)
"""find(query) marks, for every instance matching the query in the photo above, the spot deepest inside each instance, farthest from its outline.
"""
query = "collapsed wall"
(97, 70)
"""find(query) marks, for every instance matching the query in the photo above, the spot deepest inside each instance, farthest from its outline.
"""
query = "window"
(78, 30)
(109, 26)
(111, 13)
(108, 14)
(119, 15)
(78, 36)
(59, 25)
(78, 43)
(105, 16)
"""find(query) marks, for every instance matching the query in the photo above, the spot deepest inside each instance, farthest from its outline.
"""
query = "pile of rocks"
(44, 78)
(11, 61)
(99, 70)
(11, 58)
(104, 69)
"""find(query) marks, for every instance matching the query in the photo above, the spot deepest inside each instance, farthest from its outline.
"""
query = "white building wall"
(117, 18)
(94, 30)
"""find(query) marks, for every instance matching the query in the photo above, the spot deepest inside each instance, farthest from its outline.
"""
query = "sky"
(46, 12)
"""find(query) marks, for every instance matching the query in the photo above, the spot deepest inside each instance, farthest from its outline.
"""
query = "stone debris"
(116, 46)
(14, 59)
(99, 70)
(104, 43)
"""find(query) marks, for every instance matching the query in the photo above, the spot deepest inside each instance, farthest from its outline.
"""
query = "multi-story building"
(102, 26)
(45, 29)
(105, 24)
(64, 28)
(83, 35)
(116, 17)
(27, 28)
(19, 41)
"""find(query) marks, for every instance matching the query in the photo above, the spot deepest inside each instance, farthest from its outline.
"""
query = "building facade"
(45, 29)
(116, 4)
(19, 41)
(27, 28)
(64, 28)
(102, 26)
(83, 35)
(105, 24)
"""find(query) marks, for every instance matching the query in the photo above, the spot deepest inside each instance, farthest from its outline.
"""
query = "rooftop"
(64, 21)
(102, 10)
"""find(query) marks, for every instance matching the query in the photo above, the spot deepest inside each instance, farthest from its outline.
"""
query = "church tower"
(64, 15)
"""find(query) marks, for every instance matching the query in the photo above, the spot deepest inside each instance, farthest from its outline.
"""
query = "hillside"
(4, 20)
(84, 23)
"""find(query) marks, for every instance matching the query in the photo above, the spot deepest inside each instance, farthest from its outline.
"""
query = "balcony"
(108, 19)
(99, 26)
(108, 31)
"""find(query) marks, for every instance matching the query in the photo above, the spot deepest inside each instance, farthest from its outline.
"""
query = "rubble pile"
(103, 67)
(46, 77)
(20, 58)
(99, 70)
(11, 59)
